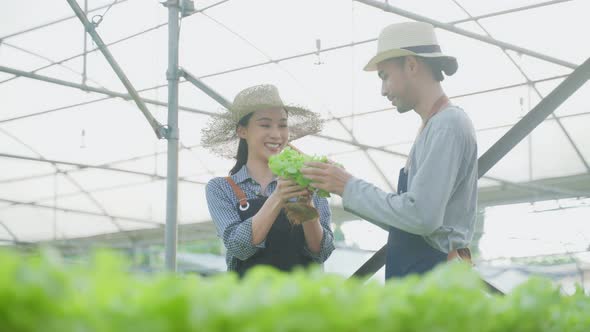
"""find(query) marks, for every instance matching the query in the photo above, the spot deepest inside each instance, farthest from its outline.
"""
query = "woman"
(247, 207)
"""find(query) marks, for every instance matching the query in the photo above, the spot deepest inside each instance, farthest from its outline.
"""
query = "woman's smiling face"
(267, 133)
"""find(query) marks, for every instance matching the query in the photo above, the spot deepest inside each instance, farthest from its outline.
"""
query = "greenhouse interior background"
(80, 167)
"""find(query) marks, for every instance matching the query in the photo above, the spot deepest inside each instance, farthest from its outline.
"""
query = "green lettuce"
(288, 164)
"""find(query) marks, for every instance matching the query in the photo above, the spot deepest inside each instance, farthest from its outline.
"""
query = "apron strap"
(244, 205)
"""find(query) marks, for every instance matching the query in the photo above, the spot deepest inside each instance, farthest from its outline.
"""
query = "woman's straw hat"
(220, 135)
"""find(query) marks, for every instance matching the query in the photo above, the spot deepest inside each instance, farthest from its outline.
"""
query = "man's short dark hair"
(434, 64)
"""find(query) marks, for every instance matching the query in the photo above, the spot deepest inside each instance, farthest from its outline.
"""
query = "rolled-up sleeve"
(327, 242)
(422, 208)
(235, 233)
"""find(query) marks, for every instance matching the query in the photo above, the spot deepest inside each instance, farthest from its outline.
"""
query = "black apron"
(409, 253)
(285, 243)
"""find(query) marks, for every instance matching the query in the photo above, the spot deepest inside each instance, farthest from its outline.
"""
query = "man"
(432, 215)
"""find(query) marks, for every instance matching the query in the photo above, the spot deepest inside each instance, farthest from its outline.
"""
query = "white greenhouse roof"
(75, 163)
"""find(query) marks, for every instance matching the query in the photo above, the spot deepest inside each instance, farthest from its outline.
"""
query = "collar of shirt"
(242, 175)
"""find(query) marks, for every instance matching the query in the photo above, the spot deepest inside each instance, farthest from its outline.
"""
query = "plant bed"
(40, 293)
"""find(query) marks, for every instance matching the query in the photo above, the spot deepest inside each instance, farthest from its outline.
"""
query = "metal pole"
(373, 264)
(445, 26)
(88, 213)
(85, 47)
(12, 235)
(205, 88)
(533, 118)
(172, 75)
(86, 166)
(86, 88)
(55, 22)
(510, 11)
(90, 28)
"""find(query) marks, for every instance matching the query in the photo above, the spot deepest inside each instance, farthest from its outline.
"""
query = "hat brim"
(302, 120)
(220, 136)
(449, 63)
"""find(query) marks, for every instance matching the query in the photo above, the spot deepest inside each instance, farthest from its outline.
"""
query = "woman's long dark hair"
(242, 155)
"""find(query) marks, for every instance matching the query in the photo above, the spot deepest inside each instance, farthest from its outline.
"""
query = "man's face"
(395, 83)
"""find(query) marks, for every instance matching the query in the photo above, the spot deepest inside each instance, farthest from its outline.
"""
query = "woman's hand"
(288, 189)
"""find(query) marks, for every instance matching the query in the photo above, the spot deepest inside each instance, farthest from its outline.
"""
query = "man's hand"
(326, 176)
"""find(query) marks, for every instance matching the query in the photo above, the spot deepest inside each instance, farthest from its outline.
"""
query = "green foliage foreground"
(40, 293)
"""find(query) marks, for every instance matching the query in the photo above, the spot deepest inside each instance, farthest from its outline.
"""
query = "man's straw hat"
(410, 38)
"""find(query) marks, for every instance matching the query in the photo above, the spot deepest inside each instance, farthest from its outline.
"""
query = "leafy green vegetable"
(40, 293)
(288, 164)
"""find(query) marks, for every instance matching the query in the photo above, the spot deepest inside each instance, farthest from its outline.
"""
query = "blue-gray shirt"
(441, 200)
(237, 234)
